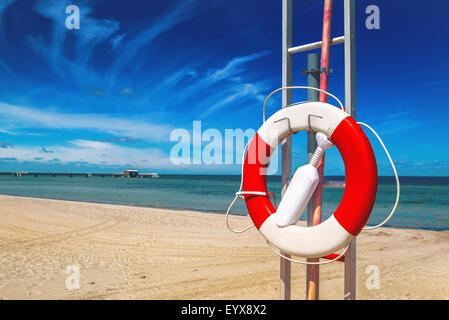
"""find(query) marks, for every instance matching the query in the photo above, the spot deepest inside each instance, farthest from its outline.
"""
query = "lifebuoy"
(361, 179)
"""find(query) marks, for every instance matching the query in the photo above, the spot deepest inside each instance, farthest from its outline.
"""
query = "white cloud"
(92, 144)
(117, 41)
(175, 77)
(232, 86)
(181, 12)
(93, 153)
(127, 91)
(13, 116)
(94, 31)
(232, 67)
(246, 90)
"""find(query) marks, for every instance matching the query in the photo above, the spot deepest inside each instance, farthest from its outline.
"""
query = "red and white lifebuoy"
(361, 179)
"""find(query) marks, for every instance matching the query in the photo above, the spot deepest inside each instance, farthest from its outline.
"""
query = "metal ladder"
(350, 104)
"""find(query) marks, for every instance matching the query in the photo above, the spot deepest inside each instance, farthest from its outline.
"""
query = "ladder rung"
(314, 45)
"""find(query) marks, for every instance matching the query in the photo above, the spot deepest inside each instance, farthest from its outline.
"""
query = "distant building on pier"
(135, 174)
(130, 173)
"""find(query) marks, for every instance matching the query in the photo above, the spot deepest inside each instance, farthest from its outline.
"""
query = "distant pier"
(124, 174)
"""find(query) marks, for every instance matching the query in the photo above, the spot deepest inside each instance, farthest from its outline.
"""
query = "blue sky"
(107, 96)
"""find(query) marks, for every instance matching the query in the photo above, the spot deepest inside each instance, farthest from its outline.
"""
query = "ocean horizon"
(423, 205)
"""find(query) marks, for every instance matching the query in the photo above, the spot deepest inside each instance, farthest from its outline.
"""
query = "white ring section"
(321, 116)
(310, 242)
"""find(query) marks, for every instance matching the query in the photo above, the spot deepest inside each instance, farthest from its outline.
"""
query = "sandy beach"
(125, 252)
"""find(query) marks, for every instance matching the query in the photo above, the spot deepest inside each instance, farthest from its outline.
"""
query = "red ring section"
(361, 177)
(256, 163)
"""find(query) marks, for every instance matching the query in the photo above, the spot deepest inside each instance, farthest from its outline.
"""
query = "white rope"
(227, 218)
(307, 262)
(239, 195)
(398, 185)
(300, 87)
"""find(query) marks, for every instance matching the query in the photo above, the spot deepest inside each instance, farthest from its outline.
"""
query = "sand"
(125, 252)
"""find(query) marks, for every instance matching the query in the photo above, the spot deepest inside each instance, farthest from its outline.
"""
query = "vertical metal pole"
(350, 105)
(313, 80)
(285, 272)
(349, 21)
(312, 293)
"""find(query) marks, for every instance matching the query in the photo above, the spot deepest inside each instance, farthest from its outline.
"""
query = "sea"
(424, 202)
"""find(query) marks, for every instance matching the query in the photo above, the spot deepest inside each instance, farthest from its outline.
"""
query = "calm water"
(424, 200)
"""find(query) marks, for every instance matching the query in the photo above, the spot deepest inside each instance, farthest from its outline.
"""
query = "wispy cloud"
(5, 68)
(233, 85)
(4, 4)
(131, 48)
(91, 152)
(4, 145)
(12, 117)
(122, 140)
(93, 33)
(92, 144)
(96, 91)
(128, 92)
(422, 168)
(233, 67)
(178, 75)
(241, 90)
(116, 41)
(395, 122)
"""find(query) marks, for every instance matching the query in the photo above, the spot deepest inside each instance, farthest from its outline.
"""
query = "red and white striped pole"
(312, 293)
